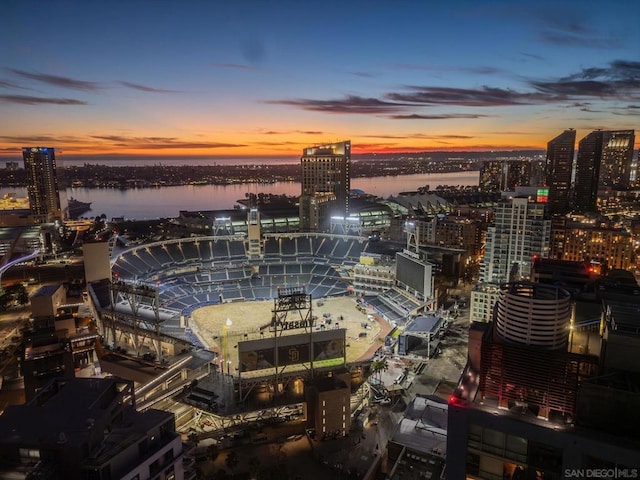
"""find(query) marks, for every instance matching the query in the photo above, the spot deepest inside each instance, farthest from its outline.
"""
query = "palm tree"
(377, 367)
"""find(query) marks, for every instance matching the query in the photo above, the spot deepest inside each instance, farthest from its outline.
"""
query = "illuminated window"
(29, 453)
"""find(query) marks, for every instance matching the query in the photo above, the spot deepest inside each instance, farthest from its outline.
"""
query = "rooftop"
(424, 426)
(10, 202)
(424, 324)
(623, 316)
(46, 290)
(63, 412)
(12, 233)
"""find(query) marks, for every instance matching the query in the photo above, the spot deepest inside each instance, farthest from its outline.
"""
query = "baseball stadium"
(270, 319)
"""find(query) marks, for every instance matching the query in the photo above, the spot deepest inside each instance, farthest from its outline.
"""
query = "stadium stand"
(208, 270)
(190, 251)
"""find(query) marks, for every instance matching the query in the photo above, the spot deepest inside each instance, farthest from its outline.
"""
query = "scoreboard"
(275, 352)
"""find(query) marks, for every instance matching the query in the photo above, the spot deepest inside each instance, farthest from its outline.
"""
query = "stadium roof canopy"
(424, 324)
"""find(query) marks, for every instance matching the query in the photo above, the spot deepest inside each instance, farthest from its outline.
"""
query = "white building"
(373, 275)
(519, 234)
(483, 298)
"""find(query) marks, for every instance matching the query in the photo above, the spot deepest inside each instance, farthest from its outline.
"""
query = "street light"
(225, 338)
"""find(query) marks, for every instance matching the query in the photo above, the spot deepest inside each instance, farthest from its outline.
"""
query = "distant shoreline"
(137, 160)
(157, 176)
(149, 203)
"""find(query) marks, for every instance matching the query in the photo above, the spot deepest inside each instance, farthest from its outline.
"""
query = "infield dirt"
(246, 318)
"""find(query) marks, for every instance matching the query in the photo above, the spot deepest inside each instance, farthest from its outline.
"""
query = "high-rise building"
(504, 175)
(458, 232)
(46, 199)
(518, 174)
(491, 176)
(483, 297)
(587, 172)
(89, 428)
(602, 244)
(325, 183)
(520, 232)
(617, 155)
(540, 397)
(604, 160)
(537, 176)
(558, 170)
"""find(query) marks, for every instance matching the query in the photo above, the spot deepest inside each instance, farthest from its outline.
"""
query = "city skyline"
(250, 79)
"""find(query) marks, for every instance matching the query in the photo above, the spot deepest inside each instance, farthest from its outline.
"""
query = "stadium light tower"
(413, 235)
(350, 225)
(225, 340)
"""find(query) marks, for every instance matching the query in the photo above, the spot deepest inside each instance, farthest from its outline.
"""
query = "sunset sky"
(266, 78)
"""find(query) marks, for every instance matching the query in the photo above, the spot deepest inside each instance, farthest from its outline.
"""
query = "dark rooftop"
(69, 407)
(424, 324)
(46, 291)
(424, 426)
(624, 316)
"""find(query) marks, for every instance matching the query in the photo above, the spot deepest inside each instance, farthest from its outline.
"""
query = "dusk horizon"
(250, 80)
(293, 157)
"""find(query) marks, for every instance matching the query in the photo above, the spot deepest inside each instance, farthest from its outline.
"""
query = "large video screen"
(293, 354)
(411, 272)
(328, 349)
(291, 349)
(257, 360)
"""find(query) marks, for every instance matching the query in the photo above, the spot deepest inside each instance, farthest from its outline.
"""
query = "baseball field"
(221, 327)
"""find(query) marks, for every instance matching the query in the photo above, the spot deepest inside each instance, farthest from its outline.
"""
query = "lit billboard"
(542, 195)
(257, 359)
(328, 349)
(293, 354)
(295, 349)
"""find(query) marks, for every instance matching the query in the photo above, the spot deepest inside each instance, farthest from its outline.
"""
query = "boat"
(77, 207)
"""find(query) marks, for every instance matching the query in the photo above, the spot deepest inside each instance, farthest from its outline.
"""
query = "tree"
(377, 367)
(22, 296)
